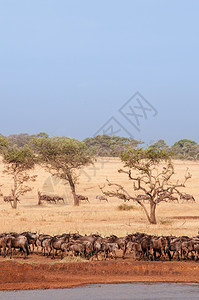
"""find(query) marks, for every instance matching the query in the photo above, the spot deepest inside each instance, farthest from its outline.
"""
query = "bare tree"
(147, 175)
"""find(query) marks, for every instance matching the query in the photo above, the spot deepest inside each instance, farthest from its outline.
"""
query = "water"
(111, 291)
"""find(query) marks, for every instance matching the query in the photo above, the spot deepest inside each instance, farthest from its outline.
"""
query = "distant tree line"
(111, 146)
(183, 149)
(114, 146)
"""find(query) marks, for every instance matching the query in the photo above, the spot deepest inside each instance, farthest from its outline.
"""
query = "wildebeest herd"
(139, 246)
(56, 199)
(145, 198)
(184, 197)
(49, 199)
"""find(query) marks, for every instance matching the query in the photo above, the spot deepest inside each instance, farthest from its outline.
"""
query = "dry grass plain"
(104, 218)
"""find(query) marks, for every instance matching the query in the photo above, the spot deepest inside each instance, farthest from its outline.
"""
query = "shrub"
(166, 222)
(125, 207)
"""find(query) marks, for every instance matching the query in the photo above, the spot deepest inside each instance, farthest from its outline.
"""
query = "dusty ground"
(43, 275)
(104, 218)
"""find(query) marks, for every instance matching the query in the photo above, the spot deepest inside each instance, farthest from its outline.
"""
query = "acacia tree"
(18, 161)
(149, 177)
(62, 157)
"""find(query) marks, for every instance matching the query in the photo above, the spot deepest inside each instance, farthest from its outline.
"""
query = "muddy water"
(111, 291)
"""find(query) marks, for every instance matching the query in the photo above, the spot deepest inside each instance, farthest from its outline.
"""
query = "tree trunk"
(152, 213)
(14, 202)
(39, 198)
(72, 186)
(76, 200)
(14, 192)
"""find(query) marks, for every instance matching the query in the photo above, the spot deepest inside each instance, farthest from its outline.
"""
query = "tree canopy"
(62, 157)
(18, 161)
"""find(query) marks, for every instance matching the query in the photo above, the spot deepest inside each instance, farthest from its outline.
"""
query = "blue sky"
(66, 67)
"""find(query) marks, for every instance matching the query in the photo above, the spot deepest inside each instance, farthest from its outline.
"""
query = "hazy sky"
(67, 67)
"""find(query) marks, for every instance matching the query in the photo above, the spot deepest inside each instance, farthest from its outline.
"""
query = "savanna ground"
(95, 217)
(104, 218)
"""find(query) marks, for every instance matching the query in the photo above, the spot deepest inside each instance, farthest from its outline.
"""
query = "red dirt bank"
(15, 275)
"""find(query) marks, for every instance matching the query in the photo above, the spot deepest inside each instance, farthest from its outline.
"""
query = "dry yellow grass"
(104, 218)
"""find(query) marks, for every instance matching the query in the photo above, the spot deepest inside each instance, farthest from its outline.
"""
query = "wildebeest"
(47, 198)
(3, 242)
(159, 245)
(31, 238)
(9, 199)
(172, 198)
(110, 249)
(101, 198)
(56, 243)
(135, 248)
(139, 245)
(82, 198)
(75, 248)
(19, 242)
(58, 199)
(175, 248)
(121, 242)
(187, 197)
(39, 241)
(46, 246)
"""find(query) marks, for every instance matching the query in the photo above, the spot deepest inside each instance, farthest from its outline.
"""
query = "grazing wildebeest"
(187, 197)
(82, 198)
(47, 198)
(101, 198)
